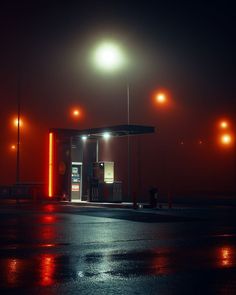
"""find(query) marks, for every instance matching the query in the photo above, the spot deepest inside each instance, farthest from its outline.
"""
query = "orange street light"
(15, 122)
(226, 139)
(76, 113)
(224, 124)
(161, 98)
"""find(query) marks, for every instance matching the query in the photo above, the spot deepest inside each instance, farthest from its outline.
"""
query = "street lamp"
(226, 139)
(225, 136)
(224, 124)
(18, 123)
(109, 57)
(161, 98)
(76, 113)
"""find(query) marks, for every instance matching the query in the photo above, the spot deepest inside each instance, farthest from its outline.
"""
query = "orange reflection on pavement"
(12, 270)
(226, 256)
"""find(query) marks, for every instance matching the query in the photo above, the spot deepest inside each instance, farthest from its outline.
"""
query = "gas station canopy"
(114, 131)
(74, 168)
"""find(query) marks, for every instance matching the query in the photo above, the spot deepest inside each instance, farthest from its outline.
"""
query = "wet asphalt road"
(63, 249)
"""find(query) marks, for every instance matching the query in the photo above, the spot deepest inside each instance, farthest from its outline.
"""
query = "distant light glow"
(13, 147)
(76, 113)
(161, 98)
(226, 139)
(50, 178)
(84, 137)
(106, 135)
(224, 124)
(108, 56)
(16, 122)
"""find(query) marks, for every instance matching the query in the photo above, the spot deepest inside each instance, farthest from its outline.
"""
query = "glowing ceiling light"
(106, 135)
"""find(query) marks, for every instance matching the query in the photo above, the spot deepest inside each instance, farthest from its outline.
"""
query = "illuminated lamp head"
(76, 113)
(224, 124)
(16, 122)
(226, 139)
(161, 98)
(108, 56)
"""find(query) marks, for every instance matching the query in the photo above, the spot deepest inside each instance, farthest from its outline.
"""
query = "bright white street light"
(109, 57)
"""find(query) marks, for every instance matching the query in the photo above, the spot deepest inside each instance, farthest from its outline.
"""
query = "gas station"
(76, 173)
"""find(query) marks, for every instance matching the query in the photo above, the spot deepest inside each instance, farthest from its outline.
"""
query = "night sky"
(187, 48)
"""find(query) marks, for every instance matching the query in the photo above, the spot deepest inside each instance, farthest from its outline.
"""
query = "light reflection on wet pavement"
(46, 269)
(46, 250)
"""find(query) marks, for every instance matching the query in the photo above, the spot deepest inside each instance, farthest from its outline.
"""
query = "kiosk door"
(76, 181)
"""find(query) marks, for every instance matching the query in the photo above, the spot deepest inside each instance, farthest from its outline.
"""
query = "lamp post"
(18, 143)
(226, 138)
(18, 124)
(161, 99)
(109, 57)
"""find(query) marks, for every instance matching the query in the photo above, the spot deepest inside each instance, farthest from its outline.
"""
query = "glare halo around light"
(108, 56)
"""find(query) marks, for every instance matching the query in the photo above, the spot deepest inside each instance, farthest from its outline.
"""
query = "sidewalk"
(178, 210)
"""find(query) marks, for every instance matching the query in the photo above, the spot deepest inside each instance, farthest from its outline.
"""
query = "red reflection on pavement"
(48, 218)
(160, 264)
(48, 231)
(48, 234)
(47, 270)
(49, 208)
(49, 245)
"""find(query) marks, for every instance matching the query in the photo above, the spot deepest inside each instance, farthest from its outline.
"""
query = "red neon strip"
(50, 175)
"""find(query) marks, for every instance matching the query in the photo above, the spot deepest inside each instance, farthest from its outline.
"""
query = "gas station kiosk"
(75, 173)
